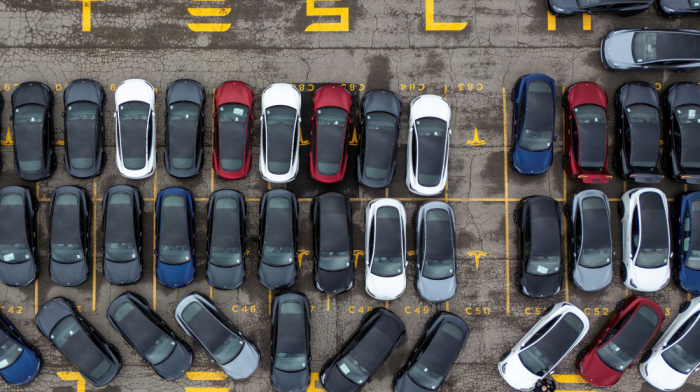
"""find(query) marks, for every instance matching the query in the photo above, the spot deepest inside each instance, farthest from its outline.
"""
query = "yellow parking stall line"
(209, 0)
(303, 199)
(212, 27)
(586, 22)
(36, 296)
(551, 21)
(312, 385)
(149, 199)
(155, 192)
(209, 11)
(94, 244)
(223, 389)
(269, 301)
(386, 192)
(206, 376)
(201, 199)
(568, 379)
(447, 306)
(328, 302)
(211, 292)
(386, 304)
(507, 215)
(614, 199)
(73, 376)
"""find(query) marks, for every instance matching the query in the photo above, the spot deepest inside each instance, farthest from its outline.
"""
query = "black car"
(83, 116)
(291, 348)
(539, 223)
(334, 270)
(32, 131)
(184, 128)
(18, 264)
(682, 104)
(150, 336)
(620, 7)
(278, 239)
(121, 235)
(438, 347)
(69, 223)
(376, 160)
(226, 239)
(379, 333)
(97, 360)
(676, 8)
(638, 133)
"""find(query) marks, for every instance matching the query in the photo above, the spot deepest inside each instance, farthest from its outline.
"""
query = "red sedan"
(635, 321)
(233, 121)
(330, 127)
(586, 129)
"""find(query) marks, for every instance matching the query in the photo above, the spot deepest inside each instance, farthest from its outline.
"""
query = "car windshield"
(225, 233)
(74, 343)
(10, 351)
(133, 132)
(538, 128)
(148, 339)
(593, 136)
(233, 129)
(543, 265)
(684, 355)
(545, 353)
(646, 133)
(380, 140)
(330, 139)
(174, 231)
(279, 236)
(291, 338)
(30, 141)
(596, 249)
(387, 259)
(281, 125)
(120, 243)
(13, 231)
(691, 244)
(653, 249)
(65, 230)
(688, 118)
(334, 245)
(434, 362)
(619, 352)
(183, 123)
(439, 249)
(667, 45)
(432, 136)
(220, 341)
(81, 133)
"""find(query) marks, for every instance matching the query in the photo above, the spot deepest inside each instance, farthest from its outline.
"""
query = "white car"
(279, 133)
(428, 145)
(645, 239)
(560, 329)
(385, 249)
(136, 128)
(669, 363)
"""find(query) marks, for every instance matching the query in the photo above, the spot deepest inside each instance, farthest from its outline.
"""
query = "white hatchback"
(385, 249)
(136, 128)
(279, 133)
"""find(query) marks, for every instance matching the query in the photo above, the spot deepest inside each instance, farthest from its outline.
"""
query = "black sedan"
(638, 133)
(83, 115)
(78, 341)
(291, 349)
(620, 7)
(278, 239)
(539, 223)
(379, 333)
(18, 264)
(682, 104)
(226, 239)
(121, 235)
(438, 347)
(184, 128)
(69, 222)
(32, 131)
(334, 270)
(676, 8)
(381, 113)
(150, 336)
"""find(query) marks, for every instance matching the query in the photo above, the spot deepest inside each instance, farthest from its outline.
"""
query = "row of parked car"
(667, 8)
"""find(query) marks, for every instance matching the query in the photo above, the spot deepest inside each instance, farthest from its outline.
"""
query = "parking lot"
(376, 45)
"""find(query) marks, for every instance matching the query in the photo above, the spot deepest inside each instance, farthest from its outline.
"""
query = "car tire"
(620, 209)
(515, 217)
(567, 210)
(510, 156)
(619, 305)
(504, 356)
(645, 356)
(513, 95)
(563, 162)
(581, 354)
(671, 211)
(684, 306)
(564, 102)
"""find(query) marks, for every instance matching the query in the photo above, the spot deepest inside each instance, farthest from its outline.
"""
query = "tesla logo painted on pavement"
(357, 254)
(477, 254)
(301, 254)
(476, 141)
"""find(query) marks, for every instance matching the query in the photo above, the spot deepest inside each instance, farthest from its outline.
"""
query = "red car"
(330, 126)
(233, 121)
(586, 129)
(636, 320)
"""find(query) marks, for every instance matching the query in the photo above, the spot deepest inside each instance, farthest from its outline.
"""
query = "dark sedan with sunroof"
(682, 104)
(291, 348)
(121, 235)
(69, 223)
(686, 272)
(436, 252)
(376, 159)
(184, 128)
(626, 49)
(334, 270)
(32, 131)
(226, 239)
(18, 264)
(278, 239)
(620, 7)
(83, 116)
(175, 237)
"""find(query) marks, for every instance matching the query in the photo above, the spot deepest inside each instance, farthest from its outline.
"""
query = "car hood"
(516, 375)
(276, 277)
(135, 90)
(68, 275)
(532, 162)
(649, 279)
(596, 372)
(281, 94)
(618, 48)
(430, 106)
(436, 290)
(23, 370)
(564, 6)
(17, 275)
(662, 376)
(225, 278)
(336, 382)
(542, 286)
(290, 381)
(122, 273)
(176, 364)
(174, 276)
(593, 279)
(244, 364)
(689, 279)
(385, 289)
(335, 282)
(185, 90)
(405, 384)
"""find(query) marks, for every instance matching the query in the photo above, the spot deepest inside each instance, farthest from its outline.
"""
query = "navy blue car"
(174, 237)
(19, 361)
(532, 149)
(686, 273)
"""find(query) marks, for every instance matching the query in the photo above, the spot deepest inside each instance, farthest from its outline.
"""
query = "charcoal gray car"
(121, 235)
(291, 343)
(436, 252)
(18, 263)
(625, 49)
(83, 116)
(376, 159)
(184, 128)
(69, 223)
(619, 7)
(677, 8)
(226, 239)
(277, 268)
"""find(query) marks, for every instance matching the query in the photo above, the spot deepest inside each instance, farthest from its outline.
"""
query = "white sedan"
(279, 133)
(136, 128)
(385, 249)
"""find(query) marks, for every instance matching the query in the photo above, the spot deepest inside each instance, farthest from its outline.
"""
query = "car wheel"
(563, 162)
(510, 156)
(564, 102)
(567, 210)
(620, 209)
(684, 306)
(623, 273)
(619, 305)
(645, 356)
(581, 354)
(515, 217)
(513, 95)
(504, 356)
(671, 211)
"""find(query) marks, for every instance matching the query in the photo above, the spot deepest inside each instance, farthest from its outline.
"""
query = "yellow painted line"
(566, 227)
(269, 186)
(211, 292)
(624, 186)
(149, 199)
(87, 7)
(206, 376)
(551, 21)
(343, 13)
(688, 296)
(568, 379)
(201, 199)
(211, 27)
(8, 139)
(328, 302)
(94, 244)
(614, 199)
(312, 385)
(586, 22)
(209, 11)
(269, 301)
(446, 190)
(447, 306)
(300, 255)
(386, 192)
(303, 199)
(445, 92)
(386, 304)
(431, 25)
(155, 192)
(505, 175)
(36, 296)
(37, 189)
(44, 199)
(209, 0)
(226, 389)
(60, 143)
(73, 376)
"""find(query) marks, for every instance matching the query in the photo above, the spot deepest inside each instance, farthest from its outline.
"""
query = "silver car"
(625, 49)
(436, 255)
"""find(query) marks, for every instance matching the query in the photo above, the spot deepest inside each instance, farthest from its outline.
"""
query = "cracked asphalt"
(386, 46)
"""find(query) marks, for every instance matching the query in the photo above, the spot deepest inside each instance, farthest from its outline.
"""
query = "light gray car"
(625, 49)
(436, 262)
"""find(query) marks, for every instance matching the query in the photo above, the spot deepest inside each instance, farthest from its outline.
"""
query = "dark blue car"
(19, 360)
(174, 237)
(533, 124)
(687, 270)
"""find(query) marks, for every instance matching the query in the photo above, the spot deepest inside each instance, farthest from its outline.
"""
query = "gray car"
(625, 49)
(591, 240)
(436, 263)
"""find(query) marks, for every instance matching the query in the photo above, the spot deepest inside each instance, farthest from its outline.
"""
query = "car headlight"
(614, 64)
(558, 289)
(503, 367)
(318, 286)
(352, 283)
(555, 8)
(323, 377)
(368, 291)
(525, 290)
(668, 9)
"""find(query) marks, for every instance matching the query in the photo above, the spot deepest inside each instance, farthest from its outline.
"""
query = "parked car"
(378, 335)
(199, 317)
(184, 128)
(646, 240)
(32, 131)
(18, 263)
(436, 251)
(532, 150)
(121, 235)
(682, 104)
(376, 158)
(428, 145)
(97, 360)
(69, 225)
(686, 272)
(279, 133)
(635, 321)
(174, 237)
(136, 128)
(620, 7)
(226, 241)
(20, 361)
(334, 268)
(84, 128)
(561, 327)
(330, 133)
(625, 49)
(279, 212)
(677, 8)
(291, 347)
(233, 129)
(437, 349)
(385, 249)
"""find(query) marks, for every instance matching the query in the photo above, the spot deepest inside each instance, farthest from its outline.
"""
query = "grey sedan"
(626, 49)
(436, 279)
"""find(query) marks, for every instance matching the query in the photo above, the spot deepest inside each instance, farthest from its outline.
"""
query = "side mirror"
(155, 251)
(261, 118)
(115, 114)
(165, 114)
(63, 114)
(555, 138)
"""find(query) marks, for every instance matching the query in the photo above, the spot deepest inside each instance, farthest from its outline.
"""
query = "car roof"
(544, 225)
